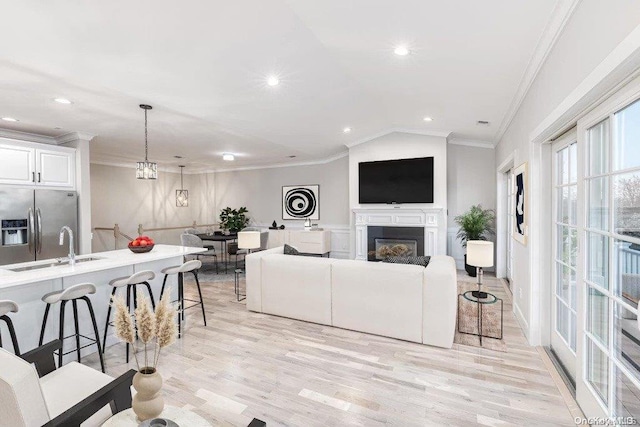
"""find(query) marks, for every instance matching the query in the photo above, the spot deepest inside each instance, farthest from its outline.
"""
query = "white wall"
(118, 197)
(260, 190)
(595, 28)
(399, 145)
(471, 180)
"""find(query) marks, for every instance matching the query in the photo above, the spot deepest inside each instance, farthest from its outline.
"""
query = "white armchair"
(72, 395)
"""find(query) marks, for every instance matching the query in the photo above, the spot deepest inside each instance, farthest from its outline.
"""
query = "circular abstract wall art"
(300, 202)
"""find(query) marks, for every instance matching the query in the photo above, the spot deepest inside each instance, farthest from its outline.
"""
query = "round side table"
(182, 417)
(490, 299)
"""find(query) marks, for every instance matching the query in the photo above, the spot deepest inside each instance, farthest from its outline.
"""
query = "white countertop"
(108, 260)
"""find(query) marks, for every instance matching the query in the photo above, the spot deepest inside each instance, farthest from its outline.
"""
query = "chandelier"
(146, 169)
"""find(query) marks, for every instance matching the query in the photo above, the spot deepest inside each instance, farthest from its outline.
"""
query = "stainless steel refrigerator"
(30, 223)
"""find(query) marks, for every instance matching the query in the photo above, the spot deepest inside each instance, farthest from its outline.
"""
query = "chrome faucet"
(72, 254)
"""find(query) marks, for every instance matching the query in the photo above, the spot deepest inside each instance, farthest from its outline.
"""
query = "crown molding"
(195, 170)
(471, 143)
(73, 136)
(441, 134)
(286, 165)
(28, 137)
(558, 20)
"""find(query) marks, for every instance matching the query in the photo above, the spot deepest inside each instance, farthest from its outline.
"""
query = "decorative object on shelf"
(520, 228)
(156, 331)
(182, 195)
(475, 224)
(233, 220)
(141, 245)
(479, 255)
(146, 169)
(274, 226)
(307, 224)
(282, 227)
(301, 201)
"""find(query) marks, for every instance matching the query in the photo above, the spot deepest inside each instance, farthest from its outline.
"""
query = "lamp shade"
(249, 240)
(480, 253)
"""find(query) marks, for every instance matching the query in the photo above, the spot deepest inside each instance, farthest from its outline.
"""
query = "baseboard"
(524, 325)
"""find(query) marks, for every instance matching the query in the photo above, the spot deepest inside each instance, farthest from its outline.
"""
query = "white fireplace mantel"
(431, 219)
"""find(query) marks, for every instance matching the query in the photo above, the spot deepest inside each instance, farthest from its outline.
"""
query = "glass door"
(612, 272)
(565, 252)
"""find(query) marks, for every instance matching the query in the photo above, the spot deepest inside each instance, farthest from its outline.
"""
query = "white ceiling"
(203, 65)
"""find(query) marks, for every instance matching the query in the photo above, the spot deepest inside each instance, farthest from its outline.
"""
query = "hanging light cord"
(146, 144)
(181, 183)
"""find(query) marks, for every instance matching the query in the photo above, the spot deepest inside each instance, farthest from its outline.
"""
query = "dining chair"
(193, 241)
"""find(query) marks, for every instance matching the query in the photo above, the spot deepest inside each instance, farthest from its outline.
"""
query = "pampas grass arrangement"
(155, 330)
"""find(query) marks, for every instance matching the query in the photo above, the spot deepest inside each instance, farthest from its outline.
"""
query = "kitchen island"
(26, 283)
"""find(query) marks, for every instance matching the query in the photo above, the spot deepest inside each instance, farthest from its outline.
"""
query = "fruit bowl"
(140, 249)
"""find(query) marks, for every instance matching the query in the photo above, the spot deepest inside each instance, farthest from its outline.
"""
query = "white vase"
(147, 402)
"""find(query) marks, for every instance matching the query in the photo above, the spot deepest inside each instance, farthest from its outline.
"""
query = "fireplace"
(383, 242)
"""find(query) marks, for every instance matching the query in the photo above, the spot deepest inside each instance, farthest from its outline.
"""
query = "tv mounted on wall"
(396, 181)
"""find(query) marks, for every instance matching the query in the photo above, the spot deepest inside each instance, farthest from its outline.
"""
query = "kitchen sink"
(60, 262)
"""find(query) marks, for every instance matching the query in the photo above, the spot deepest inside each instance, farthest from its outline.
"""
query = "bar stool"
(139, 278)
(73, 294)
(8, 306)
(188, 267)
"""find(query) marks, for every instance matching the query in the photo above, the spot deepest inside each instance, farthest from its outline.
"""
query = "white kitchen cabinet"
(31, 164)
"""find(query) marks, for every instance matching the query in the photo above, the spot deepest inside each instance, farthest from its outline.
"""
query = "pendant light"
(146, 169)
(182, 195)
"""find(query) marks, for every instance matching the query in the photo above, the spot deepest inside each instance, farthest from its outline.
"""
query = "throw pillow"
(414, 260)
(290, 250)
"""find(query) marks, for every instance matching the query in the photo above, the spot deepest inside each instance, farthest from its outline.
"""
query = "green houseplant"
(233, 220)
(475, 224)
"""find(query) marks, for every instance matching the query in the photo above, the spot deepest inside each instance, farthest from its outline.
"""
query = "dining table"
(223, 239)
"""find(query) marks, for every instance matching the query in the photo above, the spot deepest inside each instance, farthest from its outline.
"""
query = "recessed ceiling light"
(177, 157)
(9, 119)
(346, 130)
(401, 50)
(228, 157)
(292, 157)
(62, 101)
(428, 119)
(273, 81)
(483, 123)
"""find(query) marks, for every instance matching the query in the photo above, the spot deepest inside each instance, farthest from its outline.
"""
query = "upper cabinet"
(23, 163)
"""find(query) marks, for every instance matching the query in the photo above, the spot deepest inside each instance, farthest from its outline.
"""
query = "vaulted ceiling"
(204, 65)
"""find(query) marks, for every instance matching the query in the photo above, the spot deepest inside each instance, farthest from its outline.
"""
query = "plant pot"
(471, 270)
(232, 248)
(147, 402)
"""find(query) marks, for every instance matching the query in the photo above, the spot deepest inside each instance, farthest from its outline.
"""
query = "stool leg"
(128, 311)
(14, 337)
(216, 258)
(164, 282)
(61, 333)
(204, 316)
(95, 330)
(44, 324)
(153, 303)
(74, 304)
(106, 326)
(180, 304)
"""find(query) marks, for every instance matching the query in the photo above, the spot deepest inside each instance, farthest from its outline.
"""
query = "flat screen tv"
(396, 181)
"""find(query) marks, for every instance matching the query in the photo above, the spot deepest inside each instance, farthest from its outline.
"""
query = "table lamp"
(249, 240)
(479, 255)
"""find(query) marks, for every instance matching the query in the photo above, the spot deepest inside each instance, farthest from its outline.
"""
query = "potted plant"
(232, 221)
(475, 224)
(156, 331)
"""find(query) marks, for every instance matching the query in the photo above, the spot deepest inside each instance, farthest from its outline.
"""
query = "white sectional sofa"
(402, 301)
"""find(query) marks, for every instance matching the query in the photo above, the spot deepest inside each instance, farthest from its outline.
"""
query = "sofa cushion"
(299, 289)
(379, 298)
(69, 385)
(414, 260)
(290, 250)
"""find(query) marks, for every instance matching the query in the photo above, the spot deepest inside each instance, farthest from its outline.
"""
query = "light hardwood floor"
(291, 373)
